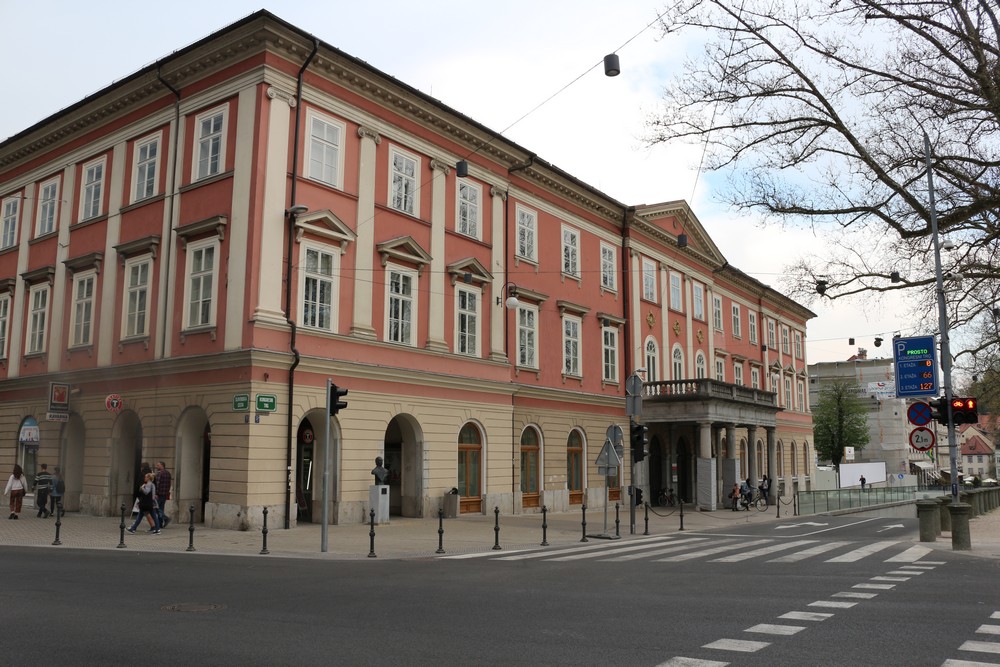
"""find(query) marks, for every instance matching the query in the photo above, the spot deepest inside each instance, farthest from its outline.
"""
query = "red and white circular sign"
(922, 439)
(114, 403)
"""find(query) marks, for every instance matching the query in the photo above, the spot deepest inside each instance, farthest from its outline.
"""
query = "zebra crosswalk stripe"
(756, 553)
(809, 553)
(862, 552)
(710, 552)
(679, 545)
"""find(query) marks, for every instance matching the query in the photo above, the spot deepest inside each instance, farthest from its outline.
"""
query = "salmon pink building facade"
(189, 255)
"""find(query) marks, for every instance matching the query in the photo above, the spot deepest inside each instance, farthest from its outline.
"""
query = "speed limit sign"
(922, 439)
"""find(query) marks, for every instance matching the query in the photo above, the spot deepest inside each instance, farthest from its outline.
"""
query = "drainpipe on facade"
(293, 328)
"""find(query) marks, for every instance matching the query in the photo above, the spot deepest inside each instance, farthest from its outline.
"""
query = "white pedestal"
(378, 500)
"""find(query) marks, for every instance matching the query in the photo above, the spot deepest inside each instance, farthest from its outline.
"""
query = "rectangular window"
(4, 320)
(136, 297)
(717, 312)
(648, 280)
(37, 319)
(527, 334)
(752, 326)
(784, 340)
(469, 195)
(800, 395)
(527, 223)
(755, 378)
(698, 301)
(211, 144)
(798, 344)
(401, 315)
(737, 321)
(571, 346)
(467, 309)
(83, 308)
(610, 353)
(720, 370)
(317, 290)
(8, 235)
(201, 284)
(325, 140)
(403, 192)
(91, 198)
(609, 267)
(571, 252)
(48, 207)
(770, 336)
(788, 394)
(147, 154)
(737, 373)
(676, 298)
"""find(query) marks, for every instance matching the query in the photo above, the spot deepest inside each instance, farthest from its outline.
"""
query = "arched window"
(652, 361)
(795, 460)
(574, 467)
(779, 455)
(700, 369)
(805, 458)
(743, 458)
(529, 467)
(678, 364)
(470, 450)
(760, 458)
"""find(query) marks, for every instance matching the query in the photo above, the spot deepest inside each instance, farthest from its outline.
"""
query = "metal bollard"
(545, 526)
(645, 509)
(496, 528)
(121, 528)
(584, 523)
(190, 528)
(59, 513)
(440, 549)
(371, 533)
(681, 503)
(617, 522)
(263, 532)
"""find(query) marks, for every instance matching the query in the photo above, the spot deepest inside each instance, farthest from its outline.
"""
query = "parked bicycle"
(757, 500)
(667, 498)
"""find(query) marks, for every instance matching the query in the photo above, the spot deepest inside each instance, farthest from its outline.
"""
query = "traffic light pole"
(631, 477)
(942, 325)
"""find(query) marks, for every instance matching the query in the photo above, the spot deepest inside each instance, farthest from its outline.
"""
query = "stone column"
(751, 470)
(730, 465)
(772, 463)
(499, 263)
(706, 489)
(961, 540)
(436, 312)
(361, 326)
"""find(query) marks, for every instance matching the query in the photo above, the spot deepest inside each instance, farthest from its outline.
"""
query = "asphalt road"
(601, 603)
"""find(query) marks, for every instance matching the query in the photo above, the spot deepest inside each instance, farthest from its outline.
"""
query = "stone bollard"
(926, 512)
(935, 516)
(966, 498)
(960, 537)
(943, 515)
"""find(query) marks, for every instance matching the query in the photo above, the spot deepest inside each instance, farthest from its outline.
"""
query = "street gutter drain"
(193, 607)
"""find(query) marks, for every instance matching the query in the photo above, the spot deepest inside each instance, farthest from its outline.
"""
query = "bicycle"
(758, 501)
(667, 498)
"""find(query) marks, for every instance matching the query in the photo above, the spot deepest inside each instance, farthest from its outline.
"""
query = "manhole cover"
(193, 607)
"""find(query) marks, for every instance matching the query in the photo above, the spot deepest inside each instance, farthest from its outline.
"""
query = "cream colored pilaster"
(435, 314)
(499, 263)
(667, 356)
(107, 337)
(19, 305)
(365, 246)
(635, 315)
(166, 291)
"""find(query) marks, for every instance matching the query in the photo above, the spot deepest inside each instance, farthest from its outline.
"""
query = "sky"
(530, 70)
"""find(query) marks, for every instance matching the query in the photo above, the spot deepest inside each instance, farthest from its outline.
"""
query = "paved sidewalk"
(411, 538)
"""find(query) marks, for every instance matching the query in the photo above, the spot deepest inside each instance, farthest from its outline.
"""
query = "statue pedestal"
(378, 500)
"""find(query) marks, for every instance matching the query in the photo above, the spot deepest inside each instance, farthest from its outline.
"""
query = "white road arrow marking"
(895, 525)
(796, 525)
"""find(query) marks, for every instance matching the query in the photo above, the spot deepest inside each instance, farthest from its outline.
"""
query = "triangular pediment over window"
(324, 224)
(469, 270)
(404, 249)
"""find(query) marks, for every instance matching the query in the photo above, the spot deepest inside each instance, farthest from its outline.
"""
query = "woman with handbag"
(17, 487)
(147, 506)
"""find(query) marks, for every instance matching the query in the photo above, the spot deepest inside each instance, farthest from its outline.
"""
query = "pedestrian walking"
(863, 482)
(17, 488)
(162, 480)
(43, 485)
(765, 488)
(56, 493)
(147, 505)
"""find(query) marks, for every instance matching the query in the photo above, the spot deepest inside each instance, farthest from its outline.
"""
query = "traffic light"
(939, 410)
(638, 440)
(964, 411)
(637, 496)
(336, 405)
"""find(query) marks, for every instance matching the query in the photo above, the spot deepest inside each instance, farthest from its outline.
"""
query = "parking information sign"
(916, 366)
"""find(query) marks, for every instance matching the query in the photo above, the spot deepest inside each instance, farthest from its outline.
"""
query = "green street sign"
(267, 402)
(241, 402)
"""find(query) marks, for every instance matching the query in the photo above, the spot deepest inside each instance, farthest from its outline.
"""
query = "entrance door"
(206, 467)
(394, 464)
(305, 464)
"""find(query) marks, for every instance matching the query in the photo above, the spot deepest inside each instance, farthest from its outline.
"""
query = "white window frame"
(788, 393)
(720, 370)
(652, 356)
(325, 153)
(92, 188)
(676, 292)
(800, 395)
(752, 326)
(648, 279)
(755, 378)
(527, 233)
(698, 301)
(700, 365)
(404, 188)
(469, 209)
(401, 306)
(135, 321)
(609, 267)
(785, 342)
(798, 344)
(572, 328)
(82, 313)
(146, 169)
(11, 211)
(737, 321)
(677, 363)
(38, 314)
(527, 336)
(738, 373)
(468, 321)
(210, 141)
(570, 251)
(609, 353)
(48, 207)
(194, 249)
(717, 313)
(308, 277)
(771, 345)
(4, 324)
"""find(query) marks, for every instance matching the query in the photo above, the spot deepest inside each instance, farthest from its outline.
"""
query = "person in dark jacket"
(43, 484)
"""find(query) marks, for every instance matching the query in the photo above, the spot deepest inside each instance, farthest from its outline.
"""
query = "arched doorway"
(126, 437)
(657, 461)
(310, 465)
(306, 466)
(193, 465)
(73, 439)
(403, 457)
(685, 490)
(470, 468)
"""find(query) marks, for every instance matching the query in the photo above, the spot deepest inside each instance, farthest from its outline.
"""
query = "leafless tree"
(817, 111)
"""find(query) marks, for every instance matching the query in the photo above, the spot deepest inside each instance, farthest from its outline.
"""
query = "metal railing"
(815, 502)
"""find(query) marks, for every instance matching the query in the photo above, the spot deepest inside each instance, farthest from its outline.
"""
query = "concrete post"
(966, 498)
(926, 510)
(943, 514)
(960, 537)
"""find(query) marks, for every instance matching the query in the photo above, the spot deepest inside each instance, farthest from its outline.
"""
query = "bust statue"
(380, 473)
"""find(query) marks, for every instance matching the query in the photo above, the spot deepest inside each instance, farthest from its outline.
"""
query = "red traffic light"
(964, 410)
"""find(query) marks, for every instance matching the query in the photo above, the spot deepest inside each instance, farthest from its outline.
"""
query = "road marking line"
(896, 579)
(741, 645)
(806, 616)
(710, 552)
(912, 554)
(852, 594)
(968, 663)
(762, 552)
(832, 604)
(827, 530)
(542, 553)
(679, 545)
(877, 587)
(808, 553)
(600, 553)
(486, 554)
(918, 568)
(989, 629)
(773, 629)
(981, 647)
(911, 573)
(934, 562)
(691, 662)
(862, 552)
(995, 614)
